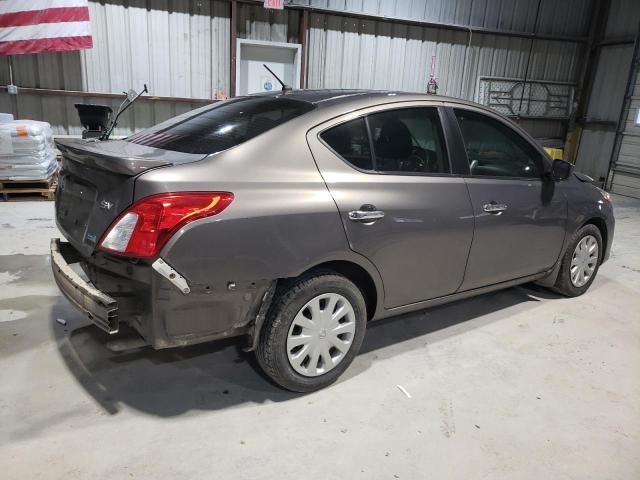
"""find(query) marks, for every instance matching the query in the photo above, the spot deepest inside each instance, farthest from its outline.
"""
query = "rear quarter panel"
(281, 222)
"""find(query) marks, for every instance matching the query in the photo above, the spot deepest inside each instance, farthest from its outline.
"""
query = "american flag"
(33, 26)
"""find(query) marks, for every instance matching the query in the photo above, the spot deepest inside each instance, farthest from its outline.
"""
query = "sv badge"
(105, 205)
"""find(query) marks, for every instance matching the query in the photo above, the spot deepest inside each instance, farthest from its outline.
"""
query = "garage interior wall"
(182, 48)
(625, 168)
(607, 93)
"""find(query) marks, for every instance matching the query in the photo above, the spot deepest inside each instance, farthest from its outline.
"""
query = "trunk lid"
(96, 184)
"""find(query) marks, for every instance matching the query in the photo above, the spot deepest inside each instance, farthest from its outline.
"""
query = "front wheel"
(313, 332)
(581, 262)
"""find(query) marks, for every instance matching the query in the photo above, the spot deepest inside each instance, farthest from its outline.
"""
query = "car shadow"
(220, 375)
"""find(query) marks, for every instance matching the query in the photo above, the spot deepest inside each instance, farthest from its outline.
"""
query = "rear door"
(388, 171)
(520, 213)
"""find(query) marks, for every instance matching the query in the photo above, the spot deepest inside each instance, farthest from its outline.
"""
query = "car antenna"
(130, 97)
(285, 87)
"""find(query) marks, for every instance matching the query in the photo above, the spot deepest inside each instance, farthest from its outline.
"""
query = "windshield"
(223, 125)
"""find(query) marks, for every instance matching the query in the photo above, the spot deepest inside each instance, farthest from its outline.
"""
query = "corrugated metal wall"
(625, 178)
(567, 17)
(181, 48)
(257, 23)
(352, 53)
(626, 175)
(603, 111)
(607, 93)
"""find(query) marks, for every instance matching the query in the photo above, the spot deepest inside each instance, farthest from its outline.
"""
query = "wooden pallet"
(27, 189)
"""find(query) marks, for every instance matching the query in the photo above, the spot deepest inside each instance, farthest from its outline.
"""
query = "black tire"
(563, 283)
(271, 350)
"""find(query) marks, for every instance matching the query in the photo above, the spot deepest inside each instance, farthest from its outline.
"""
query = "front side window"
(223, 125)
(495, 150)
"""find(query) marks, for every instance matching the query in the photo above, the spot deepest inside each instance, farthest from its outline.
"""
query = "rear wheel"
(581, 262)
(313, 332)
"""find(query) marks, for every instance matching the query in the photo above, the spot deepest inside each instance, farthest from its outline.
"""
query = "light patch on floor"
(11, 315)
(27, 228)
(7, 277)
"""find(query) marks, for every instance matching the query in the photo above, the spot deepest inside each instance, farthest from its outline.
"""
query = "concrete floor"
(519, 384)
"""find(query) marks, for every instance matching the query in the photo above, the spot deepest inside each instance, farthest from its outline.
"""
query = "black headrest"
(394, 140)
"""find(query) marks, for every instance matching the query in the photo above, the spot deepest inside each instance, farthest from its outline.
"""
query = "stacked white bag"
(27, 151)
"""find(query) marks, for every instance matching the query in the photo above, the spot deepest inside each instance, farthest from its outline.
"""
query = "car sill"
(459, 296)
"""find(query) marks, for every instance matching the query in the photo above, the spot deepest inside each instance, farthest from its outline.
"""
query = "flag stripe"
(50, 15)
(9, 6)
(45, 30)
(45, 45)
(33, 26)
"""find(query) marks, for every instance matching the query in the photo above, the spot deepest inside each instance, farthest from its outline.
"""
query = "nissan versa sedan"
(294, 219)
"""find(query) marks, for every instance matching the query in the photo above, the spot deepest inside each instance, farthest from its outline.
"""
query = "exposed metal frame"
(526, 69)
(303, 39)
(591, 56)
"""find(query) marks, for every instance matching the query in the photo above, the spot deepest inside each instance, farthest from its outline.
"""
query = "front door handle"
(366, 214)
(494, 208)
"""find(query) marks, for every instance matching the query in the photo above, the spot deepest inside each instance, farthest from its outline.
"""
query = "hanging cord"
(526, 70)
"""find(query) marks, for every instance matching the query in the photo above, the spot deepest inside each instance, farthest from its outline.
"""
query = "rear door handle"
(495, 208)
(365, 216)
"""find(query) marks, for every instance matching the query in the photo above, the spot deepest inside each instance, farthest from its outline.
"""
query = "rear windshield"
(221, 126)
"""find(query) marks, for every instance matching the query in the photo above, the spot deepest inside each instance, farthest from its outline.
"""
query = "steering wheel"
(414, 163)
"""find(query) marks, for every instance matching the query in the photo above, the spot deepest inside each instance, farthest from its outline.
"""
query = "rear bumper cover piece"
(99, 307)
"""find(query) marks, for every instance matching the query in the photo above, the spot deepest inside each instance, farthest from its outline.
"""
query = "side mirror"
(560, 170)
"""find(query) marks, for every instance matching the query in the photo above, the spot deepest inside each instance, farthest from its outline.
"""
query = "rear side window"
(408, 140)
(495, 150)
(405, 140)
(223, 125)
(351, 142)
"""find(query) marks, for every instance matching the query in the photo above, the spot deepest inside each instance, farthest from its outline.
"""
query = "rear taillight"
(144, 228)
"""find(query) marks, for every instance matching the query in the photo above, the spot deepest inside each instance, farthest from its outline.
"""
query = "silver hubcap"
(584, 260)
(321, 334)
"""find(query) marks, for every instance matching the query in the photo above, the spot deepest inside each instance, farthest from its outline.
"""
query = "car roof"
(334, 102)
(335, 97)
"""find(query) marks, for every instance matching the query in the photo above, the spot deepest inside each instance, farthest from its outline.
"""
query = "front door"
(520, 214)
(388, 171)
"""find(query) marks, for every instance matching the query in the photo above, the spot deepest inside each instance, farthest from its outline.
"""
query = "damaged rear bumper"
(99, 307)
(163, 307)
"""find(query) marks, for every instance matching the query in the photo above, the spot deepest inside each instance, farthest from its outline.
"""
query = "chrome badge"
(104, 205)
